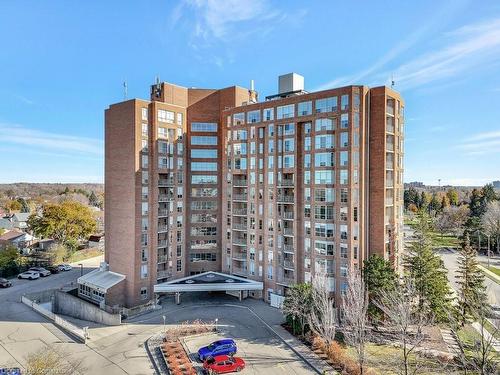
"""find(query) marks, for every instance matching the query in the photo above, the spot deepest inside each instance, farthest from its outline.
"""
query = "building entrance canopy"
(208, 282)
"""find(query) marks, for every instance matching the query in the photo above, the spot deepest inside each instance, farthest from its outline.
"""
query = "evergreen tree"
(24, 205)
(452, 195)
(434, 204)
(427, 271)
(445, 202)
(93, 200)
(379, 277)
(475, 203)
(424, 201)
(472, 293)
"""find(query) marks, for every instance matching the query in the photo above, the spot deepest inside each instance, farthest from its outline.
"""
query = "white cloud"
(37, 139)
(467, 48)
(481, 144)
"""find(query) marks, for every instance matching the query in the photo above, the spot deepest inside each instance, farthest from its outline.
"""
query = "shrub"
(318, 343)
(336, 353)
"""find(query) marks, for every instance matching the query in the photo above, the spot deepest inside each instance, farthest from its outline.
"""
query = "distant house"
(18, 239)
(19, 220)
(6, 224)
(43, 245)
(96, 240)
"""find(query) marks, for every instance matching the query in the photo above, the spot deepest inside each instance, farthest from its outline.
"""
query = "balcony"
(166, 182)
(240, 182)
(162, 228)
(288, 249)
(286, 182)
(163, 274)
(240, 211)
(240, 271)
(287, 215)
(287, 231)
(389, 183)
(240, 197)
(165, 198)
(389, 147)
(238, 226)
(162, 258)
(240, 256)
(285, 198)
(239, 241)
(285, 280)
(389, 201)
(389, 165)
(162, 243)
(289, 264)
(162, 213)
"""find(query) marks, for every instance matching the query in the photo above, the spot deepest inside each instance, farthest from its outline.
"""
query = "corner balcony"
(286, 199)
(239, 242)
(240, 197)
(166, 182)
(162, 213)
(288, 249)
(287, 231)
(240, 211)
(162, 243)
(163, 274)
(240, 227)
(287, 215)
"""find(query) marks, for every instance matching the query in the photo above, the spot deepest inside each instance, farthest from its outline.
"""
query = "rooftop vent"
(288, 85)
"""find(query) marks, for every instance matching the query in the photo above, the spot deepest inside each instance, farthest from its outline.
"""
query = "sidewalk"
(495, 343)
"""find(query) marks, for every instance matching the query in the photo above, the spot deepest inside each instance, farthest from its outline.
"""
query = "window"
(285, 111)
(179, 118)
(326, 105)
(204, 205)
(324, 177)
(344, 139)
(324, 195)
(307, 144)
(203, 153)
(253, 116)
(144, 130)
(324, 247)
(324, 159)
(324, 230)
(203, 140)
(289, 144)
(144, 271)
(307, 160)
(323, 124)
(238, 118)
(304, 108)
(162, 132)
(203, 126)
(324, 141)
(144, 293)
(307, 128)
(344, 120)
(203, 257)
(344, 102)
(324, 212)
(344, 158)
(344, 196)
(240, 163)
(240, 148)
(268, 114)
(270, 130)
(166, 116)
(204, 192)
(145, 114)
(288, 161)
(344, 176)
(203, 179)
(289, 129)
(199, 166)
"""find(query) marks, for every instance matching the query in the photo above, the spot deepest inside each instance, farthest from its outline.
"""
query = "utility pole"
(488, 251)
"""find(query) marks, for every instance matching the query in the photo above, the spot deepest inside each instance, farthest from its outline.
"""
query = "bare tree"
(355, 316)
(491, 222)
(401, 309)
(478, 355)
(49, 360)
(452, 219)
(322, 318)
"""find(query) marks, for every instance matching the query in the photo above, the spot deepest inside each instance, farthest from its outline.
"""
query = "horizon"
(52, 107)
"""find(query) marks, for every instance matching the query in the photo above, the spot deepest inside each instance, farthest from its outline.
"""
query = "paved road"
(451, 263)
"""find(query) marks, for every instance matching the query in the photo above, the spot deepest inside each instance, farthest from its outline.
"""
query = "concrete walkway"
(494, 342)
(450, 340)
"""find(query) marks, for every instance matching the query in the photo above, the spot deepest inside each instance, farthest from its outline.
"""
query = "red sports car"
(222, 364)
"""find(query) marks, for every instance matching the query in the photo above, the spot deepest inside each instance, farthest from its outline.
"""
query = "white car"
(64, 267)
(42, 271)
(31, 275)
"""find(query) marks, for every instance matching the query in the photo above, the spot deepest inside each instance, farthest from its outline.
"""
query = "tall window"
(253, 116)
(326, 105)
(304, 108)
(203, 140)
(285, 111)
(166, 116)
(203, 126)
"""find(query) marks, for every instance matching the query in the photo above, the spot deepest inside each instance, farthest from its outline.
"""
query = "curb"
(490, 274)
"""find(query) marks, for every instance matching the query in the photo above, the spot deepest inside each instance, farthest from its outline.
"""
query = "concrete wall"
(67, 304)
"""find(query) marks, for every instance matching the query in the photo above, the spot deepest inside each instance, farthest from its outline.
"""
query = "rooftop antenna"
(393, 83)
(252, 85)
(125, 90)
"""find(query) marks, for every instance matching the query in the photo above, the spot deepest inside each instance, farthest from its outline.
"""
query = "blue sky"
(62, 63)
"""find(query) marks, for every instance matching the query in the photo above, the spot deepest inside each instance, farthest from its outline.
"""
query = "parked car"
(31, 275)
(10, 371)
(53, 269)
(223, 364)
(220, 347)
(42, 271)
(64, 267)
(4, 283)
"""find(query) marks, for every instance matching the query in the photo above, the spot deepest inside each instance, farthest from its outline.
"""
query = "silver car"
(42, 271)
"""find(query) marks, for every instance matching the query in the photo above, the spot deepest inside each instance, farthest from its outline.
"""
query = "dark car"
(220, 347)
(53, 269)
(10, 371)
(4, 283)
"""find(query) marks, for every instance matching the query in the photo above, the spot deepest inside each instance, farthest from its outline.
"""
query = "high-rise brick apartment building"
(213, 180)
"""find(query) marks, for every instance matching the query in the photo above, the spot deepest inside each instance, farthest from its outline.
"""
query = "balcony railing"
(286, 182)
(286, 198)
(240, 270)
(239, 241)
(389, 165)
(240, 255)
(162, 258)
(389, 183)
(240, 197)
(389, 146)
(240, 211)
(165, 198)
(165, 182)
(285, 280)
(288, 231)
(389, 201)
(287, 215)
(288, 249)
(239, 226)
(240, 182)
(162, 243)
(163, 274)
(162, 213)
(162, 228)
(289, 264)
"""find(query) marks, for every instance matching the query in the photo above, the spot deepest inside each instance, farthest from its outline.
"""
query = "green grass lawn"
(469, 336)
(84, 254)
(495, 270)
(384, 359)
(445, 240)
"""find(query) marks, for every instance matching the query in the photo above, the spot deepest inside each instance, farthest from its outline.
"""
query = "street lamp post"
(164, 327)
(216, 320)
(81, 269)
(488, 251)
